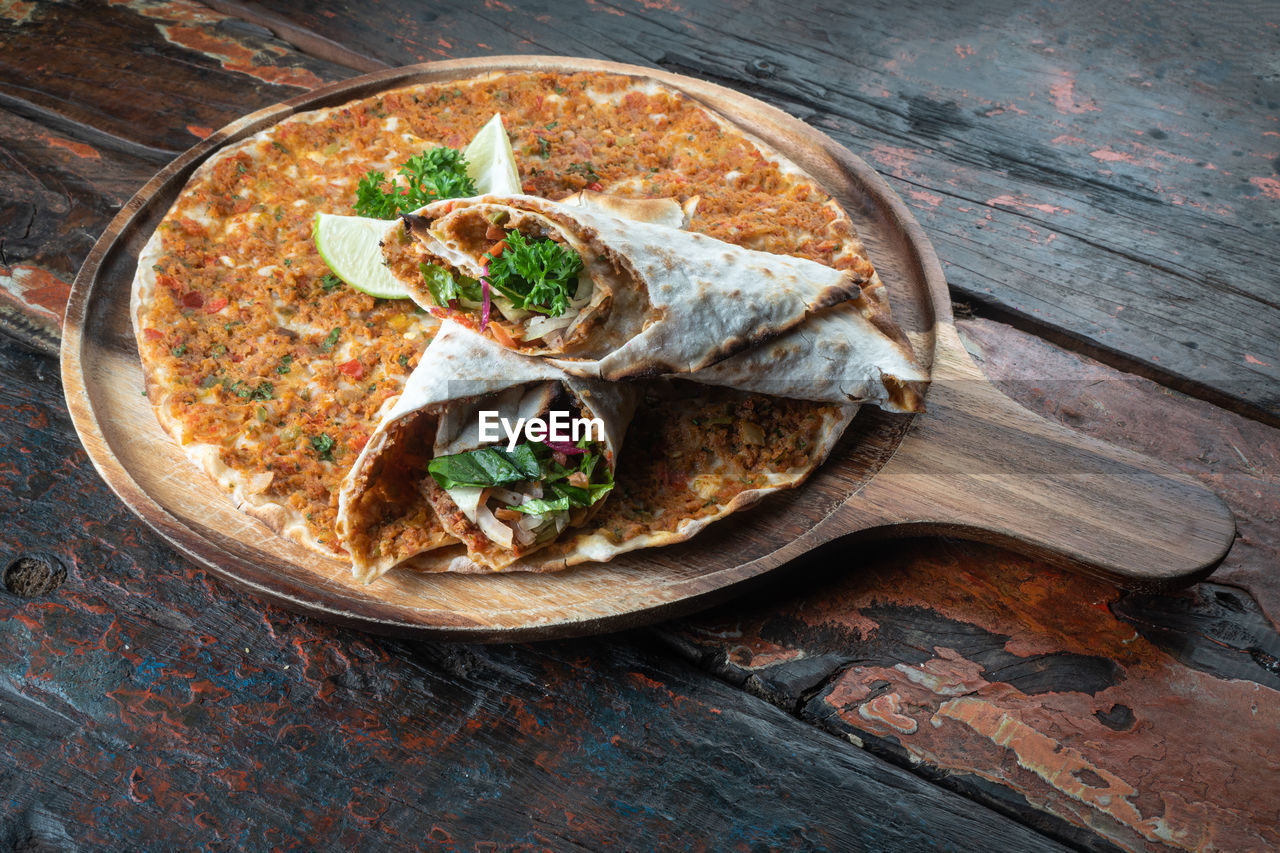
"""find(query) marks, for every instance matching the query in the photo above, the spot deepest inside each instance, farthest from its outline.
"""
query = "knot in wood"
(763, 68)
(32, 575)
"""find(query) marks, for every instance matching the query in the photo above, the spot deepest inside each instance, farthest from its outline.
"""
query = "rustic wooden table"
(1101, 183)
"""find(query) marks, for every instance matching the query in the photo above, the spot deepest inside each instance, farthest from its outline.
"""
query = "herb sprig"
(536, 275)
(429, 176)
(445, 286)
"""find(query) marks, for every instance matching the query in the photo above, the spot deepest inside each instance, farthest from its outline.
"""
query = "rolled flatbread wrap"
(429, 478)
(606, 296)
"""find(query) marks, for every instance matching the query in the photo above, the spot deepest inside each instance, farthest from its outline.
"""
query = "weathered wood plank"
(154, 77)
(132, 85)
(144, 704)
(60, 193)
(1109, 171)
(1034, 690)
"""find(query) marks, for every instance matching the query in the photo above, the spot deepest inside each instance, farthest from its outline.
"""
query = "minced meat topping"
(258, 350)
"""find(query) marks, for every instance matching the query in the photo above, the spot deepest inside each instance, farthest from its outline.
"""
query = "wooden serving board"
(976, 465)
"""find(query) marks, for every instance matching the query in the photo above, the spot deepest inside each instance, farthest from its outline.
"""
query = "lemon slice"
(350, 246)
(490, 161)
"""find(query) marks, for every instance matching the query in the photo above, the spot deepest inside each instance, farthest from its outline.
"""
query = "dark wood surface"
(1100, 181)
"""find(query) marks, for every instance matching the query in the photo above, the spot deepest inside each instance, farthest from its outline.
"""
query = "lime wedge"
(491, 162)
(350, 246)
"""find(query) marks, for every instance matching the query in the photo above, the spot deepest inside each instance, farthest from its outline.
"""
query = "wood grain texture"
(1052, 151)
(930, 646)
(977, 466)
(144, 705)
(1109, 171)
(1038, 693)
(150, 78)
(59, 195)
(132, 86)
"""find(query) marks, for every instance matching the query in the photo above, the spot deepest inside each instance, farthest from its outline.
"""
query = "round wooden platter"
(976, 465)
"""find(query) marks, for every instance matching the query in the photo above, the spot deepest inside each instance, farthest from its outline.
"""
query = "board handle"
(980, 466)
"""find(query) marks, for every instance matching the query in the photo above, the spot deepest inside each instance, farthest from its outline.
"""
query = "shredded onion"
(524, 537)
(498, 532)
(543, 325)
(582, 295)
(508, 496)
(467, 499)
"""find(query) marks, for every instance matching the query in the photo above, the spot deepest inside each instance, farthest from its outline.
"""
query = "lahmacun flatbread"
(272, 375)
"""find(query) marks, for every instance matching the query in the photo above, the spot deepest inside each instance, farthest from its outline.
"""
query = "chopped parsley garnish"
(218, 350)
(430, 176)
(331, 339)
(283, 367)
(263, 391)
(178, 351)
(322, 444)
(585, 169)
(536, 275)
(544, 148)
(330, 282)
(403, 359)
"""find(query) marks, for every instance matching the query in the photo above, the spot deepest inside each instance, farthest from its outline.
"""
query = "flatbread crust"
(240, 232)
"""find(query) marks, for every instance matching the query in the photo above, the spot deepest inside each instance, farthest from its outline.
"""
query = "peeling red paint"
(35, 291)
(1270, 186)
(1059, 765)
(17, 11)
(187, 24)
(234, 56)
(1109, 156)
(595, 4)
(887, 708)
(1063, 96)
(931, 199)
(202, 132)
(896, 160)
(1251, 360)
(1011, 201)
(84, 152)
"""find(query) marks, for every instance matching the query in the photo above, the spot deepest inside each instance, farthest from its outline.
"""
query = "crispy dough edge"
(277, 516)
